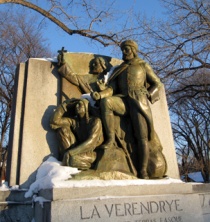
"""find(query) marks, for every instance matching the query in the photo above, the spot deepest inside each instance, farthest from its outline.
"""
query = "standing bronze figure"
(129, 90)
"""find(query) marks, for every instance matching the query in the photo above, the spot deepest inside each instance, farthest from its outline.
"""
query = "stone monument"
(46, 98)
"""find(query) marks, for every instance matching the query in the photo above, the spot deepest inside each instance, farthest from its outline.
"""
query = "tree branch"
(85, 33)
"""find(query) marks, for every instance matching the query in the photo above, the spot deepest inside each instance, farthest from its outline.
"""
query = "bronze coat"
(137, 81)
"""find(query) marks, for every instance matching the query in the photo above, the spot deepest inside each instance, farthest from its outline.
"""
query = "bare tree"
(191, 125)
(20, 40)
(178, 45)
(191, 133)
(178, 48)
(92, 19)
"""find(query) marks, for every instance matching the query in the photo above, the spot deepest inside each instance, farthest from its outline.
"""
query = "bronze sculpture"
(126, 117)
(127, 94)
(87, 82)
(78, 135)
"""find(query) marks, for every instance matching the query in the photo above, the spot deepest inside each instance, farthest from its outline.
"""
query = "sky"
(59, 38)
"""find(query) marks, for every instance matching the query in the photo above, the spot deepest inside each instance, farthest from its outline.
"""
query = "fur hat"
(129, 43)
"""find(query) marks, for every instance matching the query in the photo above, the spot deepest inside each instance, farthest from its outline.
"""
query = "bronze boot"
(143, 157)
(108, 121)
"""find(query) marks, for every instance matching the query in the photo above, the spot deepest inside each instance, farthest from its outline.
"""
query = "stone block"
(14, 207)
(31, 139)
(159, 208)
(115, 190)
(179, 203)
(205, 206)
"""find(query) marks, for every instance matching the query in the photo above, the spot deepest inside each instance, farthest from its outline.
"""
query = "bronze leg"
(143, 154)
(109, 106)
(108, 120)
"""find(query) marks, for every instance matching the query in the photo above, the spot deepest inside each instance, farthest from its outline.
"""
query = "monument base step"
(179, 203)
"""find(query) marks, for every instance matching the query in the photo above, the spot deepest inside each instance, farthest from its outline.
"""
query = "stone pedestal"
(176, 202)
(144, 203)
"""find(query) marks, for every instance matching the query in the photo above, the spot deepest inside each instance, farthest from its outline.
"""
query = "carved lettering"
(118, 210)
(95, 212)
(134, 209)
(142, 206)
(109, 211)
(81, 215)
(162, 206)
(154, 208)
(127, 207)
(177, 205)
(169, 204)
(173, 219)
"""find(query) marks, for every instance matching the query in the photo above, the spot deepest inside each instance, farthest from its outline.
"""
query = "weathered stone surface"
(114, 190)
(13, 162)
(205, 206)
(162, 126)
(179, 203)
(37, 90)
(14, 207)
(144, 208)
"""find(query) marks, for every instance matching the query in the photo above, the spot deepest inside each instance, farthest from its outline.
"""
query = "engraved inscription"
(133, 209)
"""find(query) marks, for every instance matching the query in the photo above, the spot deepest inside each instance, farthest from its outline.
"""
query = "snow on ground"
(51, 174)
(4, 186)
